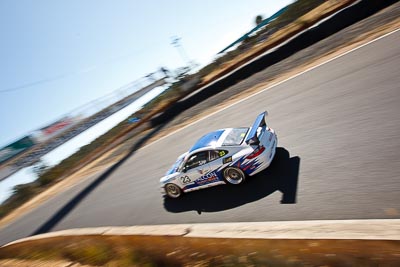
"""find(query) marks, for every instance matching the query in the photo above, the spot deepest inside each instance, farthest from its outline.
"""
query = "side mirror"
(184, 169)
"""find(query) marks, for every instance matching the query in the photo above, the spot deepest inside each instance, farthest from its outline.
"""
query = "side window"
(196, 160)
(216, 154)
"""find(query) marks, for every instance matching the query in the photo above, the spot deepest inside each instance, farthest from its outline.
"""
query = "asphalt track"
(338, 158)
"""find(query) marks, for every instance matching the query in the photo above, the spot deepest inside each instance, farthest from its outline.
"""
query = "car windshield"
(235, 137)
(176, 165)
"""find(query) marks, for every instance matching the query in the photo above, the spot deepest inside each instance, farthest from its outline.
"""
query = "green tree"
(40, 168)
(259, 19)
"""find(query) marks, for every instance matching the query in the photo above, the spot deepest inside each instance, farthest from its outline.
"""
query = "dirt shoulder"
(181, 251)
(360, 33)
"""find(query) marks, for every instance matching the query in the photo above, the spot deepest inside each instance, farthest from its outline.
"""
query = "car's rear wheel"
(234, 176)
(173, 191)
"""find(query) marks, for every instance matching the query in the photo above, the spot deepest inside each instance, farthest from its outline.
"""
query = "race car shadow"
(282, 175)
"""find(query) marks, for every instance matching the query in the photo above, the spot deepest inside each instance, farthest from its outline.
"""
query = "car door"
(194, 168)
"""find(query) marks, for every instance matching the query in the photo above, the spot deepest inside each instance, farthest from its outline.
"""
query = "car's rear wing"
(252, 138)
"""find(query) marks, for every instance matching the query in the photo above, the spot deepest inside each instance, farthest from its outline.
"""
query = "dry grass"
(183, 251)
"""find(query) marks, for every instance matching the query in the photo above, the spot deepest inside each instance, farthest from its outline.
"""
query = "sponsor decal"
(226, 160)
(210, 177)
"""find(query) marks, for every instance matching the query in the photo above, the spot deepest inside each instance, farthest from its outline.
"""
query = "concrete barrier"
(379, 229)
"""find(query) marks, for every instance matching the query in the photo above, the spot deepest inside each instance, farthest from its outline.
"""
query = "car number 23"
(185, 179)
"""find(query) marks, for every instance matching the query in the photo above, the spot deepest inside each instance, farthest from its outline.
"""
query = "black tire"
(173, 191)
(234, 176)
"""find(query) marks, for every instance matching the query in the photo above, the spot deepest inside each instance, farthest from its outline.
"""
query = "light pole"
(176, 42)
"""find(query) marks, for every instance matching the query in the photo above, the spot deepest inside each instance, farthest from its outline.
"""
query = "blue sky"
(59, 55)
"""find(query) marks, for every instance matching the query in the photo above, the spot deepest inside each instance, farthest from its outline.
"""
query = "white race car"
(224, 156)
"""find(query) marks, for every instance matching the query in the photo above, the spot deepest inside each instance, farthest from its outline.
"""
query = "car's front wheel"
(173, 191)
(234, 176)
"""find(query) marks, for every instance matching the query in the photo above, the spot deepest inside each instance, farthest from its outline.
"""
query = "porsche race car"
(225, 156)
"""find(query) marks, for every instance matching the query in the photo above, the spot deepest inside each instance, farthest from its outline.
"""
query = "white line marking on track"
(273, 85)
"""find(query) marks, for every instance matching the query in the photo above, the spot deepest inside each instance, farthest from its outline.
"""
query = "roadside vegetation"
(296, 17)
(186, 251)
